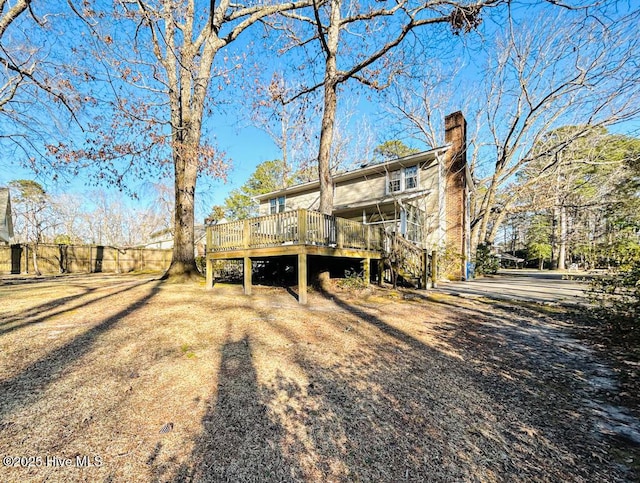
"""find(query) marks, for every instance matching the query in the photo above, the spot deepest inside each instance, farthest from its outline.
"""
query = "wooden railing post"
(339, 232)
(302, 227)
(246, 234)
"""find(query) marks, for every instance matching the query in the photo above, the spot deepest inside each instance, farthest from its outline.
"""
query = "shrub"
(615, 297)
(352, 281)
(201, 263)
(485, 263)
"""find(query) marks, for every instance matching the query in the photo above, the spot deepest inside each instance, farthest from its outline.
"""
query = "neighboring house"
(424, 196)
(6, 222)
(164, 239)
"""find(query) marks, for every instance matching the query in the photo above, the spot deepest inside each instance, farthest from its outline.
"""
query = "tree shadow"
(40, 313)
(23, 388)
(397, 409)
(239, 441)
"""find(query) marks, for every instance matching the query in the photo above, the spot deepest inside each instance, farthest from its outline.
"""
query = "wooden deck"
(300, 233)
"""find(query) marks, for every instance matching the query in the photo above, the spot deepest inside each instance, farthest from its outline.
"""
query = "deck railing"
(410, 256)
(300, 227)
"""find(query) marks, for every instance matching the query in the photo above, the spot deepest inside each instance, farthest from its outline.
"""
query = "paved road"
(529, 285)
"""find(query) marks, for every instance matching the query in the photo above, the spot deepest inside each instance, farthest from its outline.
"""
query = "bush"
(201, 263)
(486, 263)
(616, 297)
(352, 281)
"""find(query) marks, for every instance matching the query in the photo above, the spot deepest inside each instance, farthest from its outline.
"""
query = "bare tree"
(34, 222)
(356, 41)
(162, 56)
(34, 91)
(552, 67)
(548, 72)
(288, 124)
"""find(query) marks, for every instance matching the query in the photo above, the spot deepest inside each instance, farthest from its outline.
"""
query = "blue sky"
(247, 146)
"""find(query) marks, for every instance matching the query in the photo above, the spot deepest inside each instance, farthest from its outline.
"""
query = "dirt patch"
(165, 382)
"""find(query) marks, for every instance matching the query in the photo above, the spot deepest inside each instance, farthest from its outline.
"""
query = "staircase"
(407, 259)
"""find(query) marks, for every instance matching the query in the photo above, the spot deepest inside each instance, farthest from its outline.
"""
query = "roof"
(6, 223)
(394, 198)
(511, 258)
(412, 159)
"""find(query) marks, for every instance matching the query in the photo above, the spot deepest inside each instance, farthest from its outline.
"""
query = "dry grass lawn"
(166, 382)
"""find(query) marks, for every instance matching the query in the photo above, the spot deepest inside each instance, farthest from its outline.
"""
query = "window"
(403, 179)
(395, 178)
(276, 205)
(414, 217)
(410, 177)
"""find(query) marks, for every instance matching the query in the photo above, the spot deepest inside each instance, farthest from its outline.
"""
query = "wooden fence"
(17, 259)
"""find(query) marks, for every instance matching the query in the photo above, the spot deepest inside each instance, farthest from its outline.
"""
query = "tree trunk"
(330, 47)
(487, 203)
(187, 99)
(324, 154)
(34, 254)
(183, 264)
(554, 237)
(562, 242)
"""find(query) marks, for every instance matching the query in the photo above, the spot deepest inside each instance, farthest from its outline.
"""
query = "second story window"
(403, 179)
(395, 181)
(410, 177)
(276, 205)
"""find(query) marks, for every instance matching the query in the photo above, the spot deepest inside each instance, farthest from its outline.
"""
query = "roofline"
(429, 155)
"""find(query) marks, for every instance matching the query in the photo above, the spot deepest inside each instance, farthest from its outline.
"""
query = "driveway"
(567, 288)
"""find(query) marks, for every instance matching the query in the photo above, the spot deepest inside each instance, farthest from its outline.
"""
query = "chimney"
(456, 216)
(455, 133)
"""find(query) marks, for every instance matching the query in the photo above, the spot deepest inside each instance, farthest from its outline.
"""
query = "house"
(6, 222)
(424, 197)
(163, 239)
(385, 215)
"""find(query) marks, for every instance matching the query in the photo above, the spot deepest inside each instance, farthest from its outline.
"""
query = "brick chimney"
(455, 162)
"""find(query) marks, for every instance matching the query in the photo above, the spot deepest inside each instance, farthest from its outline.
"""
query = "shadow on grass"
(27, 386)
(40, 313)
(239, 441)
(396, 409)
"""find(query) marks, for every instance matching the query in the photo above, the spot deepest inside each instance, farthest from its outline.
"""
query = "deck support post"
(380, 265)
(209, 280)
(247, 275)
(425, 269)
(302, 278)
(366, 270)
(434, 268)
